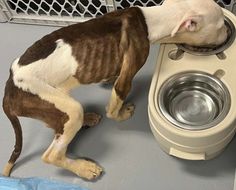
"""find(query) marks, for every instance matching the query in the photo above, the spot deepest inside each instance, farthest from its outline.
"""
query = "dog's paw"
(87, 169)
(126, 112)
(91, 119)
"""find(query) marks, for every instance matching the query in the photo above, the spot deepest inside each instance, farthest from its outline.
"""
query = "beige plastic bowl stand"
(186, 144)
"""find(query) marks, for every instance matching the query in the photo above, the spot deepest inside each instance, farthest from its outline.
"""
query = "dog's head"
(202, 23)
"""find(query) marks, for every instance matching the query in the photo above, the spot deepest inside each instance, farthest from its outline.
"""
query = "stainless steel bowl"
(194, 100)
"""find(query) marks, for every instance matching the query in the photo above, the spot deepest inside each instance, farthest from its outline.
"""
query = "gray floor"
(131, 157)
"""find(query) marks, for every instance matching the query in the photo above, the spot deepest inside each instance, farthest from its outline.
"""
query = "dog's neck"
(161, 20)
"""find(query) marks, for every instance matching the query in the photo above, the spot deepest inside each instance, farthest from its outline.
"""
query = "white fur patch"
(42, 78)
(53, 70)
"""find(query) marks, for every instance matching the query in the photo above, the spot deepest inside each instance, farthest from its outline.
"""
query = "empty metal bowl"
(194, 100)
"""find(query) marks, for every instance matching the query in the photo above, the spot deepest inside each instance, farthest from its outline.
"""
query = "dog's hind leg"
(56, 153)
(90, 119)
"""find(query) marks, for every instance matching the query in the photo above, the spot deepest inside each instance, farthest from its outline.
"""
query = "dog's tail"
(8, 109)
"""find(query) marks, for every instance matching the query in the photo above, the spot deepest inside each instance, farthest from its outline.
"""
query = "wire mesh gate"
(64, 12)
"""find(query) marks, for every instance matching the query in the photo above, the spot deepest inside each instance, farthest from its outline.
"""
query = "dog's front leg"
(116, 108)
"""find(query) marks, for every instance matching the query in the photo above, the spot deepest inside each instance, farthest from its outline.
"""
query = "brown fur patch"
(25, 104)
(98, 44)
(39, 50)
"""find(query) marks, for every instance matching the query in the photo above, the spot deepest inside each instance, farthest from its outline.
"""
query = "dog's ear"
(189, 23)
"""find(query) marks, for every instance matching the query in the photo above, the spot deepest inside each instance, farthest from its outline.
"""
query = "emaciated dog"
(113, 46)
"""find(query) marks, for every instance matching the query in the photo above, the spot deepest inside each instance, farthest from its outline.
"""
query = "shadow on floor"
(222, 164)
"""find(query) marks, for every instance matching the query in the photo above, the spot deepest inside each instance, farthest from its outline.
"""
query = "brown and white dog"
(115, 45)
